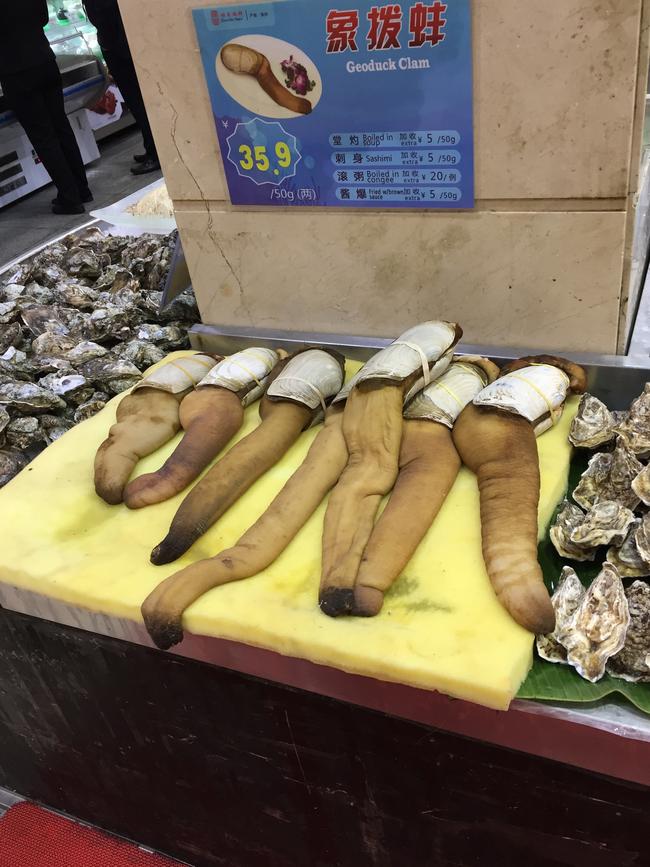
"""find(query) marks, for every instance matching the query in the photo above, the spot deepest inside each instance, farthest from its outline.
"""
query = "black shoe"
(149, 165)
(86, 196)
(139, 158)
(68, 208)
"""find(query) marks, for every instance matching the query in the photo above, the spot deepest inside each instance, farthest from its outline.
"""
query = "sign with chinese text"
(359, 105)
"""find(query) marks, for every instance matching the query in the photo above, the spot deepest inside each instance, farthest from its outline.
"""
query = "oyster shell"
(19, 274)
(5, 418)
(49, 343)
(128, 297)
(641, 485)
(28, 398)
(10, 335)
(182, 307)
(93, 405)
(54, 426)
(42, 364)
(38, 294)
(115, 374)
(141, 353)
(85, 351)
(11, 291)
(642, 538)
(568, 518)
(11, 463)
(64, 385)
(597, 629)
(109, 321)
(141, 247)
(48, 275)
(593, 424)
(626, 558)
(633, 661)
(76, 321)
(566, 599)
(25, 433)
(150, 305)
(9, 312)
(76, 295)
(91, 238)
(14, 362)
(40, 319)
(166, 336)
(606, 523)
(114, 278)
(609, 476)
(635, 429)
(84, 262)
(53, 254)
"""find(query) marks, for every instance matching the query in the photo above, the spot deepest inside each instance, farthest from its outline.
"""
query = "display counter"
(256, 757)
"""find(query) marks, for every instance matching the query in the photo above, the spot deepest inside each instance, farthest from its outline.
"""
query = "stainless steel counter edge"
(615, 379)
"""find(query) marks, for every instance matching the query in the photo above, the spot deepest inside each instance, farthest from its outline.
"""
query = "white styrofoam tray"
(117, 214)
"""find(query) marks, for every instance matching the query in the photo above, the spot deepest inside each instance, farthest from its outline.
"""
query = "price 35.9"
(257, 157)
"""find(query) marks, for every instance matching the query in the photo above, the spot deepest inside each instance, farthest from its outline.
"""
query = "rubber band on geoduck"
(246, 371)
(312, 378)
(179, 374)
(444, 398)
(537, 393)
(423, 347)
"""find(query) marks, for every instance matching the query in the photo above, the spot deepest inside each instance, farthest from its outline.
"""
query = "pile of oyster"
(79, 322)
(606, 627)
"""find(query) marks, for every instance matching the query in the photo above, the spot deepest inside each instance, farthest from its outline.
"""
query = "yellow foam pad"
(441, 627)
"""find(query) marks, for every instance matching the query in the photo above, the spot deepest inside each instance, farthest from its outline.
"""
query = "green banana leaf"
(549, 681)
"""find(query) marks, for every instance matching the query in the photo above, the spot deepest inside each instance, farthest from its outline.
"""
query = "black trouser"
(120, 65)
(36, 97)
(111, 35)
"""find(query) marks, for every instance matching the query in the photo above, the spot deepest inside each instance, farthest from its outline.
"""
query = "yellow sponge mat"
(441, 627)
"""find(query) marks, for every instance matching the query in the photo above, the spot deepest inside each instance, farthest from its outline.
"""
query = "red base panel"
(33, 837)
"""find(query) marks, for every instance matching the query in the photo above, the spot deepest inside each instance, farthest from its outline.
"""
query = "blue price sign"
(362, 104)
(263, 152)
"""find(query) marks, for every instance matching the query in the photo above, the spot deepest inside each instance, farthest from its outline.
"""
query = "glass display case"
(82, 69)
(68, 16)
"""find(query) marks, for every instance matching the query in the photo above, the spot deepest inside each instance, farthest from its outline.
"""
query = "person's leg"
(120, 64)
(25, 94)
(53, 92)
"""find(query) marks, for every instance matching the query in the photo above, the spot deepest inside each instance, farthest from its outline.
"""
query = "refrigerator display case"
(110, 114)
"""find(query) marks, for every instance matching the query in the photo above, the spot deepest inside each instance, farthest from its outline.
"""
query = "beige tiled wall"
(540, 261)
